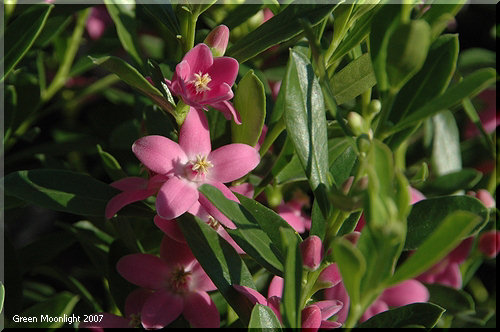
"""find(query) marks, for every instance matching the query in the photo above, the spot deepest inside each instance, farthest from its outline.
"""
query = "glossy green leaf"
(318, 221)
(248, 234)
(424, 315)
(269, 221)
(468, 87)
(352, 266)
(454, 228)
(406, 51)
(306, 122)
(278, 29)
(383, 25)
(60, 305)
(292, 289)
(455, 301)
(159, 80)
(446, 157)
(123, 15)
(431, 80)
(439, 15)
(342, 157)
(263, 318)
(60, 190)
(353, 79)
(111, 165)
(220, 261)
(427, 215)
(250, 101)
(240, 14)
(132, 77)
(162, 11)
(452, 182)
(21, 34)
(291, 172)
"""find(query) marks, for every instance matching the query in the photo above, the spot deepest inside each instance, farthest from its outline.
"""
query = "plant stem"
(384, 113)
(74, 43)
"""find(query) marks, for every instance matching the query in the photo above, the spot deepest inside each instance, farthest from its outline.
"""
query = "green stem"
(384, 113)
(272, 136)
(74, 43)
(309, 290)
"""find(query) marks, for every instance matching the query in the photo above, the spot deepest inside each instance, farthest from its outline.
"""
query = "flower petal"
(311, 318)
(376, 308)
(116, 203)
(170, 228)
(175, 197)
(130, 183)
(194, 137)
(290, 216)
(200, 311)
(212, 210)
(328, 325)
(329, 308)
(251, 294)
(276, 287)
(161, 309)
(228, 110)
(232, 161)
(200, 280)
(135, 301)
(330, 275)
(225, 235)
(223, 70)
(273, 302)
(339, 293)
(199, 59)
(159, 154)
(143, 270)
(175, 253)
(450, 276)
(409, 291)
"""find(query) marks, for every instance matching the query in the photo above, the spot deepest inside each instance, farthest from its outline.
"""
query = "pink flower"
(133, 307)
(312, 252)
(97, 22)
(201, 81)
(407, 292)
(447, 271)
(179, 286)
(191, 163)
(293, 214)
(133, 189)
(314, 316)
(217, 40)
(488, 243)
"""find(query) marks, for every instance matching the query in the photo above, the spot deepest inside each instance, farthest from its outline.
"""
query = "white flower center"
(201, 81)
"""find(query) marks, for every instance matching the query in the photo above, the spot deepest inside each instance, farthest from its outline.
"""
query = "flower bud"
(312, 252)
(488, 243)
(356, 122)
(374, 107)
(485, 197)
(329, 277)
(217, 40)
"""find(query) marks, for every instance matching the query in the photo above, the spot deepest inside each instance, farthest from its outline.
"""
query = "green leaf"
(406, 51)
(468, 87)
(123, 15)
(292, 172)
(220, 261)
(416, 314)
(451, 182)
(427, 215)
(439, 15)
(278, 29)
(263, 318)
(60, 190)
(352, 266)
(353, 79)
(119, 288)
(250, 102)
(60, 305)
(383, 25)
(342, 157)
(248, 234)
(446, 157)
(164, 14)
(292, 289)
(268, 220)
(111, 165)
(240, 14)
(318, 221)
(21, 34)
(2, 296)
(306, 122)
(132, 77)
(445, 237)
(474, 58)
(455, 301)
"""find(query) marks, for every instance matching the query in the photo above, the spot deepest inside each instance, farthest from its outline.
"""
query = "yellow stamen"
(201, 165)
(201, 82)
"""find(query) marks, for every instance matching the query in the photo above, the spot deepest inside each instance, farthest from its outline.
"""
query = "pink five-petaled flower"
(179, 283)
(191, 163)
(201, 81)
(314, 316)
(133, 306)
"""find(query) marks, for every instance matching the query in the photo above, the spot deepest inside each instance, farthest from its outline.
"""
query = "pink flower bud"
(329, 277)
(488, 243)
(312, 252)
(217, 40)
(485, 197)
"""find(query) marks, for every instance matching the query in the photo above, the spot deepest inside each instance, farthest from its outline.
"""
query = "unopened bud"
(312, 252)
(485, 197)
(356, 122)
(217, 40)
(488, 243)
(374, 107)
